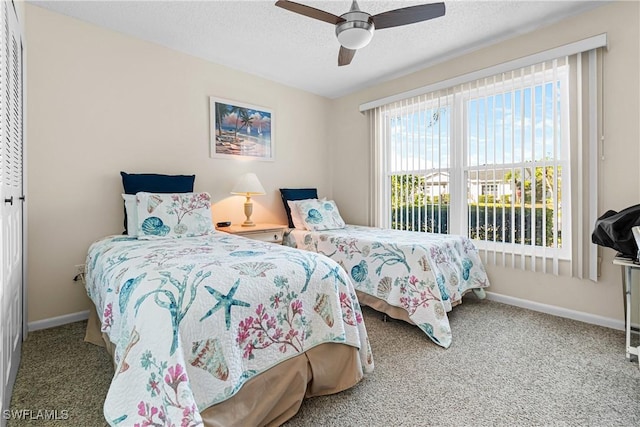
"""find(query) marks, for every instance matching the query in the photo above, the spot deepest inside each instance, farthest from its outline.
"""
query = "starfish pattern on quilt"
(335, 274)
(226, 301)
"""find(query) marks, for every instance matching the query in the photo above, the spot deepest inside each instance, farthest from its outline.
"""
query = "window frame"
(459, 168)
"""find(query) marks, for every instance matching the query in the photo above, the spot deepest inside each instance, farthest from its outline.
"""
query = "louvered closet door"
(11, 191)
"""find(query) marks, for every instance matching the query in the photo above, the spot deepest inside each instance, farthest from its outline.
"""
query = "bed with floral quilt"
(416, 277)
(217, 329)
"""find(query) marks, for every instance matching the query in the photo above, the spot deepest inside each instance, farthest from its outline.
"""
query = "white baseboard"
(581, 316)
(57, 321)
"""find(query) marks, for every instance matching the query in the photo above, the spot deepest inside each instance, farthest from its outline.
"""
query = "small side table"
(265, 232)
(627, 266)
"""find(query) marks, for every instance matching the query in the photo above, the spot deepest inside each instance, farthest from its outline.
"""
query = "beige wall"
(99, 102)
(620, 172)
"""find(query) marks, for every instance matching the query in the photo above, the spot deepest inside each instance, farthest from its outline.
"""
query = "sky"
(501, 127)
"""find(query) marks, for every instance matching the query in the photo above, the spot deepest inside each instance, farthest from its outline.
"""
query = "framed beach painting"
(240, 130)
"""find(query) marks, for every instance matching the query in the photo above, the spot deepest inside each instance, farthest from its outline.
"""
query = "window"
(495, 159)
(507, 139)
(419, 166)
(515, 140)
(491, 190)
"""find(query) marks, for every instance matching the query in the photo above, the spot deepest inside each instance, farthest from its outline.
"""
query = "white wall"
(100, 102)
(620, 172)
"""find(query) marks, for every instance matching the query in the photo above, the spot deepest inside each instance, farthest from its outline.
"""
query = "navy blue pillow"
(155, 183)
(296, 194)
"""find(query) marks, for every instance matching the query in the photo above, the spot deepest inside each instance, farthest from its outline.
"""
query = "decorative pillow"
(155, 183)
(320, 215)
(173, 215)
(131, 214)
(296, 194)
(295, 213)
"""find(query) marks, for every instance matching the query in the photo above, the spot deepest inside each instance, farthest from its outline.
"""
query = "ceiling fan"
(354, 29)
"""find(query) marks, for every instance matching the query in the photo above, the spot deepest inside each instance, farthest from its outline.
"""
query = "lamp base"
(248, 210)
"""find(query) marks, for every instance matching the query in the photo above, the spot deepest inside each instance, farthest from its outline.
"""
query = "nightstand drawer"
(272, 233)
(274, 236)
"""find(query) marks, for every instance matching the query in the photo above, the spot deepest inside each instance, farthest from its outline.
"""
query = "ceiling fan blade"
(408, 15)
(309, 11)
(345, 56)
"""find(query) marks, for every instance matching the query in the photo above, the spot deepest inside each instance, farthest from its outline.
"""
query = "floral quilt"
(194, 318)
(423, 273)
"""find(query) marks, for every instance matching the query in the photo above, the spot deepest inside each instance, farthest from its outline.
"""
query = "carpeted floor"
(506, 367)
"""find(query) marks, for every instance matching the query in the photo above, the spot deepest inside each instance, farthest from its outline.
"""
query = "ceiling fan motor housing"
(356, 31)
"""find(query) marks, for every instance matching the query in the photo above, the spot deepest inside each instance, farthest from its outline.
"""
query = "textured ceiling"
(262, 39)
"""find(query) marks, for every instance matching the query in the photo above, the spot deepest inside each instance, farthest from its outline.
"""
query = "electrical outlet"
(79, 273)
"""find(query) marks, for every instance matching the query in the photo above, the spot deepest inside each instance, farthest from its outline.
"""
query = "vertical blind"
(509, 160)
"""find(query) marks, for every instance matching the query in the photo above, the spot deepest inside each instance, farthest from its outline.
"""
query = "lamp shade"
(248, 185)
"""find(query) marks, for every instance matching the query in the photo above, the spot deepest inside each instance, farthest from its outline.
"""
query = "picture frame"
(240, 130)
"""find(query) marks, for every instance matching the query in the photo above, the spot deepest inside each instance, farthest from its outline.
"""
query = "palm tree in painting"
(243, 119)
(241, 116)
(222, 111)
(233, 110)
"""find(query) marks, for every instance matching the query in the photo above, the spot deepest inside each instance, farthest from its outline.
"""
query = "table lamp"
(248, 185)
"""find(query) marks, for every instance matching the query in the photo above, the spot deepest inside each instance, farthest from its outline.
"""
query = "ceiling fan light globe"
(354, 34)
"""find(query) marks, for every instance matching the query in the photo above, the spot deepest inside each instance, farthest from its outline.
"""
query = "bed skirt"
(274, 396)
(392, 311)
(383, 307)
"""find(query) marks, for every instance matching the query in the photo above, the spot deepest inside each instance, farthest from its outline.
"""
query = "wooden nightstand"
(264, 232)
